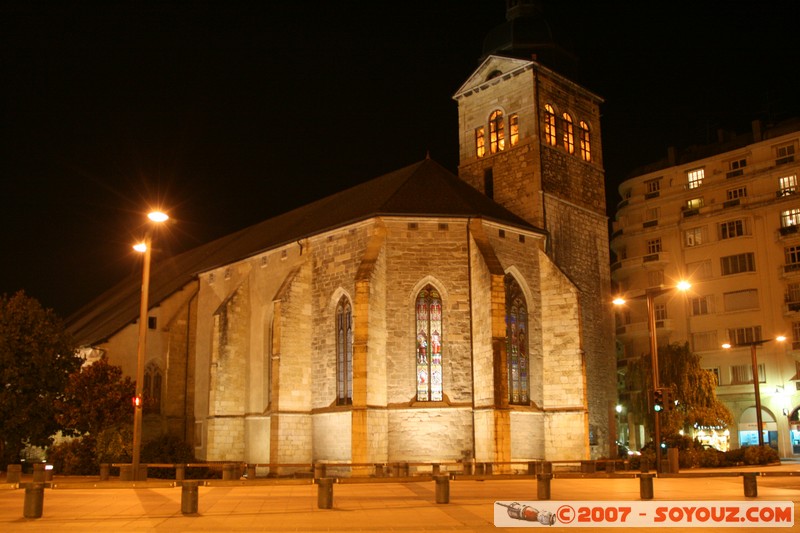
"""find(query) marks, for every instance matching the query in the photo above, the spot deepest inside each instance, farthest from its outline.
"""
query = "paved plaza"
(260, 505)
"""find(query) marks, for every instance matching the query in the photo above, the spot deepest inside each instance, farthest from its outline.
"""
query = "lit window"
(741, 374)
(790, 217)
(699, 270)
(694, 236)
(344, 352)
(497, 134)
(652, 188)
(695, 177)
(733, 194)
(787, 185)
(660, 311)
(699, 305)
(480, 142)
(740, 300)
(516, 342)
(654, 246)
(569, 135)
(151, 389)
(586, 146)
(549, 125)
(694, 203)
(704, 341)
(736, 264)
(513, 126)
(793, 293)
(744, 335)
(732, 228)
(429, 345)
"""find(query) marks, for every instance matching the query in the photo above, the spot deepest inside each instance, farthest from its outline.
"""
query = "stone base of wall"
(429, 434)
(226, 439)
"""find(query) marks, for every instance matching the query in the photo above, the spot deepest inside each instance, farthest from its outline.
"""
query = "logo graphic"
(525, 512)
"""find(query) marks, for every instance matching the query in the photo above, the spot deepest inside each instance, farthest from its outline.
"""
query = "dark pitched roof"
(425, 189)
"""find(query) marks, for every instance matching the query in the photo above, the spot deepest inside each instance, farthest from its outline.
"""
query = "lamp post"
(650, 295)
(756, 390)
(142, 247)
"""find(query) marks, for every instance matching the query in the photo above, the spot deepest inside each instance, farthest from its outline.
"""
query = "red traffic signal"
(137, 401)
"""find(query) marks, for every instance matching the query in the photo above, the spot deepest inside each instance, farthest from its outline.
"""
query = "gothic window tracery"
(549, 125)
(569, 133)
(151, 389)
(585, 143)
(497, 134)
(517, 342)
(428, 355)
(344, 352)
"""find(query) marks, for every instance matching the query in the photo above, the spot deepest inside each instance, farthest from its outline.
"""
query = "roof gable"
(492, 64)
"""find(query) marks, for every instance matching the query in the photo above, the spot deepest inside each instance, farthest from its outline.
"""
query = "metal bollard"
(105, 470)
(189, 497)
(379, 470)
(673, 459)
(435, 469)
(34, 500)
(227, 472)
(13, 473)
(319, 470)
(442, 488)
(126, 473)
(48, 473)
(251, 472)
(543, 486)
(644, 466)
(488, 469)
(534, 467)
(180, 472)
(646, 486)
(325, 493)
(750, 485)
(38, 472)
(547, 467)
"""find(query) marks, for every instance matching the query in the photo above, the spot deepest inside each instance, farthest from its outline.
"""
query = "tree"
(97, 397)
(36, 358)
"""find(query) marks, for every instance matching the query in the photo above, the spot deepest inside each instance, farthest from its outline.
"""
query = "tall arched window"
(586, 145)
(497, 134)
(516, 342)
(549, 125)
(569, 134)
(344, 352)
(151, 389)
(429, 345)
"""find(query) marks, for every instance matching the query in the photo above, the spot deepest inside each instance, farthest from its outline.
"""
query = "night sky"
(228, 113)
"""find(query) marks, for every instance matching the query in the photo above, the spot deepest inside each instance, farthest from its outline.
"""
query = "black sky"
(228, 113)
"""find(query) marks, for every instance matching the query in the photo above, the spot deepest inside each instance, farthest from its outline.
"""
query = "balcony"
(691, 212)
(788, 230)
(731, 203)
(623, 267)
(784, 160)
(734, 173)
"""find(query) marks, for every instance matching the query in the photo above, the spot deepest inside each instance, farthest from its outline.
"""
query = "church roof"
(422, 189)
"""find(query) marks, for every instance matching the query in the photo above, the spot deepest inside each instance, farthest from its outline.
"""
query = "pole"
(651, 328)
(754, 359)
(140, 356)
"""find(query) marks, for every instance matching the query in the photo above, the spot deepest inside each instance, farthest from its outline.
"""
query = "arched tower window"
(344, 352)
(516, 342)
(549, 125)
(151, 389)
(429, 345)
(569, 134)
(497, 134)
(585, 144)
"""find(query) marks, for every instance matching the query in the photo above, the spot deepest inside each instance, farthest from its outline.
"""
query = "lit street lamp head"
(140, 247)
(158, 216)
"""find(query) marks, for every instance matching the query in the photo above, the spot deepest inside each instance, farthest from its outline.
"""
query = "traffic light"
(658, 400)
(670, 400)
(137, 401)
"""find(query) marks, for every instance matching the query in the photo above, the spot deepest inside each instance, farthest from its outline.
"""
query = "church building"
(420, 316)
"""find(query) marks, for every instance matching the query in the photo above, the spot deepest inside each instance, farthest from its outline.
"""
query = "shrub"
(76, 457)
(760, 455)
(171, 450)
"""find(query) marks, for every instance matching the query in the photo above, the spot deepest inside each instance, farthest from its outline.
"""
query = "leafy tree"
(36, 358)
(97, 397)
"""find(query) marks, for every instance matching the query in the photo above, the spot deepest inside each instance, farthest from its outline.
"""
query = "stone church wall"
(429, 434)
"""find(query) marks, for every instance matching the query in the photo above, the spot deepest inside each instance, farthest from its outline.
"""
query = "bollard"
(543, 486)
(488, 469)
(379, 470)
(480, 469)
(13, 473)
(325, 493)
(395, 469)
(435, 469)
(48, 473)
(750, 485)
(227, 472)
(405, 469)
(34, 500)
(189, 497)
(644, 466)
(646, 486)
(674, 460)
(547, 467)
(105, 470)
(534, 467)
(588, 467)
(611, 467)
(319, 470)
(469, 467)
(442, 488)
(38, 472)
(180, 472)
(142, 474)
(126, 473)
(251, 472)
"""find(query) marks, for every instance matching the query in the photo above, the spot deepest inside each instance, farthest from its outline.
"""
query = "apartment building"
(727, 218)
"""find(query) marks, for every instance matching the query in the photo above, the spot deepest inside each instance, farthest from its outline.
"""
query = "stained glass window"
(549, 125)
(480, 142)
(344, 353)
(569, 135)
(586, 146)
(497, 133)
(516, 342)
(429, 345)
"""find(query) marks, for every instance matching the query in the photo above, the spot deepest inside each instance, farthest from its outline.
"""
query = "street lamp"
(145, 248)
(650, 295)
(754, 361)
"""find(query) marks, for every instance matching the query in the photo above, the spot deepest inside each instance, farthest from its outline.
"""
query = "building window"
(741, 374)
(703, 341)
(660, 311)
(429, 345)
(694, 203)
(733, 194)
(737, 164)
(715, 372)
(480, 141)
(787, 185)
(151, 389)
(585, 144)
(152, 322)
(700, 305)
(736, 264)
(569, 134)
(488, 182)
(791, 255)
(694, 178)
(652, 213)
(790, 217)
(516, 342)
(652, 188)
(793, 293)
(740, 300)
(796, 341)
(744, 335)
(694, 236)
(344, 352)
(655, 278)
(549, 125)
(497, 134)
(732, 228)
(654, 246)
(700, 270)
(513, 126)
(784, 154)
